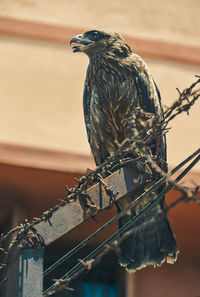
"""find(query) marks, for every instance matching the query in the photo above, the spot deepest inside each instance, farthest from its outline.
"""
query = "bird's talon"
(88, 211)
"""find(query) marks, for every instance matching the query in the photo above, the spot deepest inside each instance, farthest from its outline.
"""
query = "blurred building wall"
(168, 20)
(42, 82)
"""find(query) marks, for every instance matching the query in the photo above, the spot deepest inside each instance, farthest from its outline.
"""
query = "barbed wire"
(98, 253)
(26, 233)
(124, 211)
(87, 264)
(188, 194)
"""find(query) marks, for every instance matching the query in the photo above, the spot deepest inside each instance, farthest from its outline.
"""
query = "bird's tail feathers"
(150, 244)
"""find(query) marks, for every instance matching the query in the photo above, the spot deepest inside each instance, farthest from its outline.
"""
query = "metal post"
(25, 272)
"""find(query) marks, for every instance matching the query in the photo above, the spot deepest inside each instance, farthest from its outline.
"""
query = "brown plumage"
(117, 83)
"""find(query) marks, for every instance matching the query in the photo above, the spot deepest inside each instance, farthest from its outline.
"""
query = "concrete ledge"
(62, 34)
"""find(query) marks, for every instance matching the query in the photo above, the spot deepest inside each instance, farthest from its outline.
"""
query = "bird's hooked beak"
(80, 39)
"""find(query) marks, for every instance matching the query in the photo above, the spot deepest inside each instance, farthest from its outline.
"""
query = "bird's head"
(100, 41)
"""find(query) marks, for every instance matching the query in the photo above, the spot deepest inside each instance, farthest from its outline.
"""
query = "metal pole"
(25, 272)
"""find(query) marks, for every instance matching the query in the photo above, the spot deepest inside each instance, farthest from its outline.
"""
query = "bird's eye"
(95, 35)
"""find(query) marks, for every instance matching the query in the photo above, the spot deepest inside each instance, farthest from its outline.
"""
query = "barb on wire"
(186, 99)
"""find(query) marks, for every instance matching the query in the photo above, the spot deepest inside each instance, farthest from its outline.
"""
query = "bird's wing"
(113, 97)
(86, 110)
(148, 94)
(150, 102)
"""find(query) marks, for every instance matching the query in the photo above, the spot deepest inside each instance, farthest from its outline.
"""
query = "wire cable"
(125, 227)
(119, 215)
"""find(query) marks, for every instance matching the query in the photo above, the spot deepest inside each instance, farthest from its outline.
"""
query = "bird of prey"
(118, 83)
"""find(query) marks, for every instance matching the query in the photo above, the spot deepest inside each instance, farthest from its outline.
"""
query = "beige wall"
(42, 83)
(169, 20)
(41, 95)
(184, 136)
